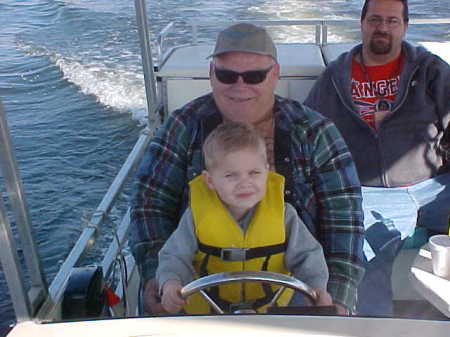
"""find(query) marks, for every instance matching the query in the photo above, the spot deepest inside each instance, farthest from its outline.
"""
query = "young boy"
(237, 206)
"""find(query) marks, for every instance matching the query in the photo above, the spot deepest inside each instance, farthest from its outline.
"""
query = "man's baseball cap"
(245, 37)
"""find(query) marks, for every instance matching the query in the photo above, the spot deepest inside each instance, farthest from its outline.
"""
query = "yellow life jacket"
(222, 243)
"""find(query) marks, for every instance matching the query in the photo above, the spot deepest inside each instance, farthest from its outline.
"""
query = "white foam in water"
(102, 5)
(117, 88)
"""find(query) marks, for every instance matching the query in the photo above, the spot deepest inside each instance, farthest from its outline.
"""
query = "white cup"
(440, 255)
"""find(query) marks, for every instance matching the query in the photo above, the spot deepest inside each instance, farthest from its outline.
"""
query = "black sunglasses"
(250, 77)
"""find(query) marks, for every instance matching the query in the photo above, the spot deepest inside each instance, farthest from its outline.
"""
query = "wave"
(115, 86)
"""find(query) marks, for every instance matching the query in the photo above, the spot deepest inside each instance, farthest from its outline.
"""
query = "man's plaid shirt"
(321, 183)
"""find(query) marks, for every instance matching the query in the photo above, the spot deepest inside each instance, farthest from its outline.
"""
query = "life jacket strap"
(242, 254)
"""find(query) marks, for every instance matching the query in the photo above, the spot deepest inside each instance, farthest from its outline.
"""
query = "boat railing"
(146, 57)
(321, 32)
(25, 302)
(162, 37)
(38, 301)
(320, 38)
(99, 217)
(163, 48)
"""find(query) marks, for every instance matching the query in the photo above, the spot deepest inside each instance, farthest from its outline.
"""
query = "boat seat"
(331, 51)
(439, 48)
(185, 72)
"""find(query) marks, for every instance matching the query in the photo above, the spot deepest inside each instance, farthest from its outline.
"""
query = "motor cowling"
(84, 296)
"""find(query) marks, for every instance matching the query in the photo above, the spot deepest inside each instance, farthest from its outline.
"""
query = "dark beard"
(380, 48)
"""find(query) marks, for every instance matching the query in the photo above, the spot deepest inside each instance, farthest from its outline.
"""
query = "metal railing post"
(11, 269)
(324, 33)
(318, 35)
(147, 61)
(8, 165)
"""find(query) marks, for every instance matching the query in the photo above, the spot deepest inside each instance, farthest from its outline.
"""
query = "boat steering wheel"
(283, 280)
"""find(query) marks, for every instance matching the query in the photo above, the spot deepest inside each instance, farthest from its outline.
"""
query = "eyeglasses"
(250, 77)
(375, 21)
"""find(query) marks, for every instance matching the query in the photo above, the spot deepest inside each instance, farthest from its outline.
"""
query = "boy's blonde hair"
(231, 137)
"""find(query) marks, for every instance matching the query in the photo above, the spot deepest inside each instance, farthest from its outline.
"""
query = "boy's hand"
(323, 297)
(172, 301)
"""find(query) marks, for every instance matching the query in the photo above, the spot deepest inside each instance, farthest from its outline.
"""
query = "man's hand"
(172, 301)
(341, 310)
(152, 301)
(323, 297)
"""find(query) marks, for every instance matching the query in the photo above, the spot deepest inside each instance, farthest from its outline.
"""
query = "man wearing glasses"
(321, 179)
(391, 102)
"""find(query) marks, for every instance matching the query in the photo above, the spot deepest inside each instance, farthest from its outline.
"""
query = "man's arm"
(158, 193)
(340, 227)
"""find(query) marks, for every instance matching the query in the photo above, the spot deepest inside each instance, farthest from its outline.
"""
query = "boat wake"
(116, 88)
(112, 86)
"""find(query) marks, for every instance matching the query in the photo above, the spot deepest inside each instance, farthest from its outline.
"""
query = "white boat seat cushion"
(442, 49)
(332, 51)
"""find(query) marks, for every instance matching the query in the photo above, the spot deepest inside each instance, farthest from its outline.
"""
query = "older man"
(321, 180)
(391, 102)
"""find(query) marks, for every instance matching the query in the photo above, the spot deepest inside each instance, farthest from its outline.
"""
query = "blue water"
(72, 86)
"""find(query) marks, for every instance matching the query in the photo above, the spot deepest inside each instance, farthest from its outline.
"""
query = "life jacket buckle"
(233, 254)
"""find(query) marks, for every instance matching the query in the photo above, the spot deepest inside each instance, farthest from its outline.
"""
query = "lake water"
(72, 86)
